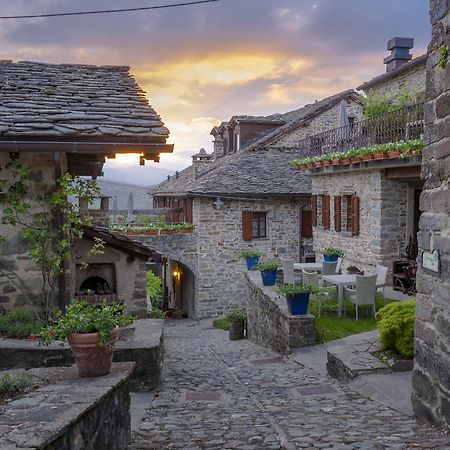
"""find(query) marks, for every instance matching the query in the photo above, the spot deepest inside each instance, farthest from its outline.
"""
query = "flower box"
(326, 163)
(137, 233)
(336, 162)
(345, 161)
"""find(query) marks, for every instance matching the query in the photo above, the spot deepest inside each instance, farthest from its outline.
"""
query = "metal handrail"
(402, 124)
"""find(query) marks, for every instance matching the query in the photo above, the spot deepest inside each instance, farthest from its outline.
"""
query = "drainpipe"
(59, 222)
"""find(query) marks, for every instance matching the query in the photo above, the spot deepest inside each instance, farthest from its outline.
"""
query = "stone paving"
(221, 394)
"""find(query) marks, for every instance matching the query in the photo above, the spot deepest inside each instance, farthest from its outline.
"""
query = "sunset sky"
(202, 64)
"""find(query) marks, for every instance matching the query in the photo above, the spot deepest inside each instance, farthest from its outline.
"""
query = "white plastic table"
(309, 267)
(340, 281)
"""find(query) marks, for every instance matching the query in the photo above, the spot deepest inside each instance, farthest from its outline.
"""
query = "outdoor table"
(309, 267)
(340, 281)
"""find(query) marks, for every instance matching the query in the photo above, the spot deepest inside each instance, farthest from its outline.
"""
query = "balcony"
(403, 124)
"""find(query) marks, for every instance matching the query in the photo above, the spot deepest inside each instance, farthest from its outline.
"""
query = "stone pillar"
(431, 376)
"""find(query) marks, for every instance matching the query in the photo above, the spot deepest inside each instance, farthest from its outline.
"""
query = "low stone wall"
(269, 323)
(71, 413)
(143, 345)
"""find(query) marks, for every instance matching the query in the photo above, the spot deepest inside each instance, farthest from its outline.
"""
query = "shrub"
(10, 384)
(396, 324)
(332, 251)
(155, 293)
(292, 289)
(19, 323)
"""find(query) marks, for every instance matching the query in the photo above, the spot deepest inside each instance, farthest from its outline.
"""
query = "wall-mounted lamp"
(218, 204)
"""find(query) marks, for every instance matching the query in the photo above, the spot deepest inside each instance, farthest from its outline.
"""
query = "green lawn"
(330, 327)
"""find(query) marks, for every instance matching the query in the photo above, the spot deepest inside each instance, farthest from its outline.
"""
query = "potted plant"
(236, 320)
(268, 272)
(251, 257)
(91, 331)
(331, 254)
(297, 297)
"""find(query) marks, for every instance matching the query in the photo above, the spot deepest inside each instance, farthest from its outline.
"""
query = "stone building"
(243, 195)
(59, 119)
(371, 209)
(431, 376)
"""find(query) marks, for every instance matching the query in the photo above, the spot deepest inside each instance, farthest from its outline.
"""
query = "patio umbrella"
(130, 207)
(343, 123)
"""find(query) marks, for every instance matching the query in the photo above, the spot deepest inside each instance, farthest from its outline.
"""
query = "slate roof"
(265, 172)
(67, 100)
(255, 168)
(416, 62)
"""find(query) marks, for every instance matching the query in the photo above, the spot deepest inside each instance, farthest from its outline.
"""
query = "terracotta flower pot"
(336, 162)
(345, 161)
(379, 155)
(92, 361)
(394, 153)
(367, 158)
(326, 163)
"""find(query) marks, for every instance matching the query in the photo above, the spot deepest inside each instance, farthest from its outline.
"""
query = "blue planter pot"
(330, 258)
(251, 262)
(298, 303)
(269, 277)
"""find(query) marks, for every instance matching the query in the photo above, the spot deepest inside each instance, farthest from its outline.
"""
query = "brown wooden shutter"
(355, 215)
(326, 212)
(337, 213)
(306, 224)
(247, 225)
(314, 210)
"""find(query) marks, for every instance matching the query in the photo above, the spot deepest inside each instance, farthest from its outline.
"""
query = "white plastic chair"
(338, 266)
(289, 275)
(381, 272)
(364, 293)
(313, 278)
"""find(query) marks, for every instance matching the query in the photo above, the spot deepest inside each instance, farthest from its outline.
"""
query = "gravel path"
(222, 394)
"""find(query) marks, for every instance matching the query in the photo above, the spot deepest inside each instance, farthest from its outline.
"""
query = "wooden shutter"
(306, 224)
(247, 225)
(337, 213)
(314, 210)
(326, 212)
(355, 215)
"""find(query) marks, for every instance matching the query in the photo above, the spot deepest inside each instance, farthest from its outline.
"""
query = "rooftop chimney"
(201, 162)
(400, 55)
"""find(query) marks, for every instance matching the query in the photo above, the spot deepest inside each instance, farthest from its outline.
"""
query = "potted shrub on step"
(331, 254)
(91, 331)
(297, 297)
(268, 272)
(251, 257)
(236, 320)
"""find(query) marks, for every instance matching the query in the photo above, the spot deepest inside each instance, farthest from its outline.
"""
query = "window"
(325, 212)
(351, 209)
(253, 225)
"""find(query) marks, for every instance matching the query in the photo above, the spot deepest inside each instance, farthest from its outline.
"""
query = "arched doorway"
(95, 285)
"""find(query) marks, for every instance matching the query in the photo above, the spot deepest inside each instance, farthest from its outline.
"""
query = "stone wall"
(413, 80)
(128, 274)
(20, 278)
(269, 323)
(431, 376)
(327, 120)
(383, 210)
(72, 413)
(220, 281)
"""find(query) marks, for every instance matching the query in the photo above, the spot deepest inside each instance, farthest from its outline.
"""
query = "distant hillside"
(142, 200)
(148, 175)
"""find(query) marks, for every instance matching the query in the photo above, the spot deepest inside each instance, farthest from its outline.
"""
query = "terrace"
(368, 143)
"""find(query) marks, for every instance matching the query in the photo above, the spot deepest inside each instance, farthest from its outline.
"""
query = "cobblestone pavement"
(222, 394)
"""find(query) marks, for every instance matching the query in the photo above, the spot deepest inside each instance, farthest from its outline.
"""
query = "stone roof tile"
(65, 99)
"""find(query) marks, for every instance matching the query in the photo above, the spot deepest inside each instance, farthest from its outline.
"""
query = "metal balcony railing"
(402, 124)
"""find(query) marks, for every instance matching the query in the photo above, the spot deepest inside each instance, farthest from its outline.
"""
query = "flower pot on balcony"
(379, 155)
(336, 162)
(394, 153)
(345, 161)
(326, 163)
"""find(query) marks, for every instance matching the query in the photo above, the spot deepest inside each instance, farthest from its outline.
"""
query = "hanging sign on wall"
(431, 261)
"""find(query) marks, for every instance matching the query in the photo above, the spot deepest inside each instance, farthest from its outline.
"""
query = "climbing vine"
(49, 240)
(443, 56)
